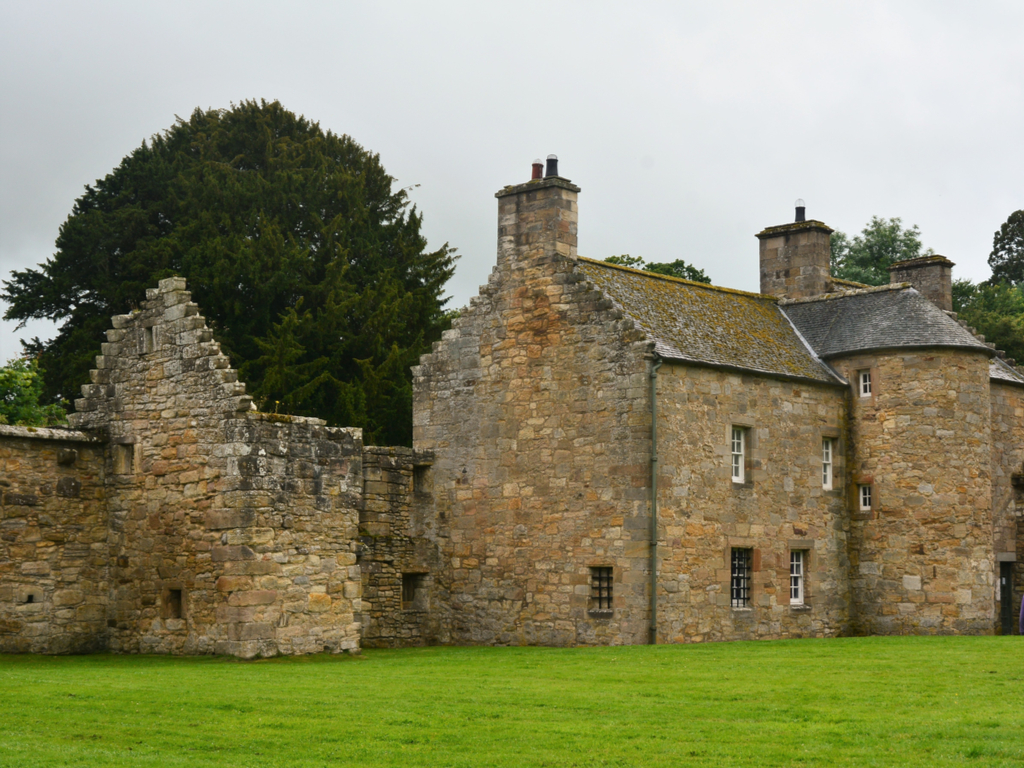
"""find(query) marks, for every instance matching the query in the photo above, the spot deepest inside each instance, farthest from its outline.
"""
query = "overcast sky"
(689, 126)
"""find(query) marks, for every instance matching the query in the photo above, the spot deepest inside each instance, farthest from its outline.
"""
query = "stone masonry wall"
(536, 406)
(1008, 480)
(781, 506)
(53, 542)
(921, 557)
(230, 531)
(397, 540)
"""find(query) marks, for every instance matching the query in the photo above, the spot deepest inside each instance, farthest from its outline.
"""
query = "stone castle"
(602, 456)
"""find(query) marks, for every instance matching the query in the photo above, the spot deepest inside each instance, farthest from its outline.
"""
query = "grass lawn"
(869, 701)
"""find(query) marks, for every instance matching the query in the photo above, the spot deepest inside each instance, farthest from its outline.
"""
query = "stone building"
(819, 459)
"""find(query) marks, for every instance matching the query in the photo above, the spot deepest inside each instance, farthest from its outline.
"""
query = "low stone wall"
(53, 542)
(396, 555)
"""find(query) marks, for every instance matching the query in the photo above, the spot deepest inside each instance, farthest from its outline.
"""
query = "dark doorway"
(1006, 613)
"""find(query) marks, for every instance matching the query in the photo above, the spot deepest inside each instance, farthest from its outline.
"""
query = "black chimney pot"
(552, 169)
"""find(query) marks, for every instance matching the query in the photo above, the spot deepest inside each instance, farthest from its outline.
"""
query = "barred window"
(738, 453)
(601, 588)
(864, 493)
(740, 577)
(796, 577)
(826, 463)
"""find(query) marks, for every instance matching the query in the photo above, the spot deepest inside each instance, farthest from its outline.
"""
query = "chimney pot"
(552, 169)
(801, 209)
(538, 169)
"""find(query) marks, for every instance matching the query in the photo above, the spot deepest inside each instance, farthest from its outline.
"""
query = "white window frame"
(864, 383)
(797, 578)
(738, 447)
(827, 451)
(864, 495)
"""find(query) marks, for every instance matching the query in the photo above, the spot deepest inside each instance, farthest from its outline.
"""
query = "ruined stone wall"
(921, 556)
(781, 505)
(397, 535)
(231, 531)
(53, 542)
(1008, 481)
(536, 406)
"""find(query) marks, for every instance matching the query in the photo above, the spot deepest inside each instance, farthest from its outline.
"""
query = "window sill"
(801, 608)
(600, 614)
(743, 609)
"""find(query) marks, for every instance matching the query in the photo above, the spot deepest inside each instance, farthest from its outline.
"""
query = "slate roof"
(1000, 371)
(882, 318)
(700, 323)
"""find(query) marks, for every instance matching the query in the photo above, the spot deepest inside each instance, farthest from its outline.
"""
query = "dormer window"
(864, 383)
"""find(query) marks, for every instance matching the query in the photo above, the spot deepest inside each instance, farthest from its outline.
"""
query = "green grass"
(869, 701)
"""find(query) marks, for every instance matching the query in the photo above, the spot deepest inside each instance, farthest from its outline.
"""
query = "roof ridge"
(844, 294)
(694, 283)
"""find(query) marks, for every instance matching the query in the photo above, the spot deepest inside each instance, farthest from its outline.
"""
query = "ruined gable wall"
(536, 406)
(231, 531)
(1007, 461)
(921, 558)
(53, 542)
(780, 507)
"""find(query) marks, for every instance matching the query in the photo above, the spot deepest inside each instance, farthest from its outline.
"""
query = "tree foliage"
(866, 257)
(310, 268)
(994, 310)
(1007, 257)
(677, 268)
(21, 389)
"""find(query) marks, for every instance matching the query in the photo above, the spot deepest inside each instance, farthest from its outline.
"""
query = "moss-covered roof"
(700, 323)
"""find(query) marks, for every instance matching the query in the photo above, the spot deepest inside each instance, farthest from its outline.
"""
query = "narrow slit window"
(739, 439)
(412, 591)
(826, 463)
(865, 383)
(796, 577)
(864, 493)
(740, 587)
(601, 588)
(173, 604)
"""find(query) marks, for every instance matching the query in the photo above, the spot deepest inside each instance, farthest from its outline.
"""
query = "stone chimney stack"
(537, 219)
(795, 258)
(932, 276)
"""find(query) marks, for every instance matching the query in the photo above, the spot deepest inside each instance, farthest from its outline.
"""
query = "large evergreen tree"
(1007, 257)
(309, 266)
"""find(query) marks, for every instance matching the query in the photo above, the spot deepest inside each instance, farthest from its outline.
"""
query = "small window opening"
(173, 604)
(739, 436)
(413, 591)
(30, 598)
(864, 493)
(797, 559)
(124, 459)
(601, 588)
(865, 383)
(826, 463)
(147, 336)
(420, 479)
(740, 587)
